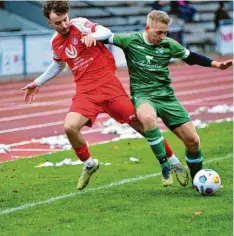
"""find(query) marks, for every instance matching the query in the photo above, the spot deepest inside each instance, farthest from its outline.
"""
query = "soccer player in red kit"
(98, 90)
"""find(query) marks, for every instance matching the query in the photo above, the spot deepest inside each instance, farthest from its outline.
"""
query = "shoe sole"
(183, 184)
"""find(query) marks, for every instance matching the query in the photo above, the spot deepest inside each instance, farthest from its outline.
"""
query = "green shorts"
(170, 110)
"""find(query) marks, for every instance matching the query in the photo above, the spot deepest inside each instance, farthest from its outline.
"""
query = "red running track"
(21, 123)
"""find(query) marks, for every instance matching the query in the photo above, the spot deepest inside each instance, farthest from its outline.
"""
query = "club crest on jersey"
(159, 51)
(74, 40)
(71, 52)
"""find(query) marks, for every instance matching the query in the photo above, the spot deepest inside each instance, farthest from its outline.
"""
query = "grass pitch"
(122, 199)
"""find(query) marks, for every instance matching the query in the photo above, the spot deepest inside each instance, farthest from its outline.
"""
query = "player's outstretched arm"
(101, 33)
(222, 65)
(198, 59)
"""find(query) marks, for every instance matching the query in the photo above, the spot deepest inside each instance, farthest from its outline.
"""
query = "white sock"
(173, 160)
(89, 163)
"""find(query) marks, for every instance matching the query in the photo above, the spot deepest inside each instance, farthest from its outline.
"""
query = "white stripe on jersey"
(80, 24)
(111, 39)
(53, 53)
(187, 52)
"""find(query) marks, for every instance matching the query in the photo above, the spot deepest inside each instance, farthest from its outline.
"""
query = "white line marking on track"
(44, 125)
(178, 84)
(36, 150)
(70, 93)
(113, 184)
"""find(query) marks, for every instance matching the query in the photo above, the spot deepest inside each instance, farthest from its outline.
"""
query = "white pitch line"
(113, 184)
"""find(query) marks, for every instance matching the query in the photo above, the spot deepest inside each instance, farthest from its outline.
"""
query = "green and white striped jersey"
(148, 63)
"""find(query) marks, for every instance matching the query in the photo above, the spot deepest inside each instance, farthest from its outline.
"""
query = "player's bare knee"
(193, 143)
(70, 128)
(148, 119)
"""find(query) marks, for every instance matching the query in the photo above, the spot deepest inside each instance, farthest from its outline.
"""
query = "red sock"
(82, 152)
(169, 152)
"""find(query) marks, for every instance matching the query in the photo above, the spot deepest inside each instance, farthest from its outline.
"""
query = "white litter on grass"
(200, 124)
(4, 148)
(109, 122)
(57, 141)
(45, 164)
(78, 162)
(123, 130)
(134, 160)
(221, 109)
(216, 109)
(203, 124)
(66, 161)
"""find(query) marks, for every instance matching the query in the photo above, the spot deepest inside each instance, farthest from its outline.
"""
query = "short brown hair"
(158, 16)
(59, 7)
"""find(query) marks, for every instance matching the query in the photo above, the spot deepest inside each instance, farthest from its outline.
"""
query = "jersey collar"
(145, 39)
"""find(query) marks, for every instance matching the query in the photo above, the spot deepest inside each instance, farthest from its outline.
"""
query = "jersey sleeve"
(177, 50)
(55, 57)
(122, 40)
(84, 25)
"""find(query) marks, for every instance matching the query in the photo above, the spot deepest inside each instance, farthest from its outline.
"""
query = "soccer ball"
(207, 182)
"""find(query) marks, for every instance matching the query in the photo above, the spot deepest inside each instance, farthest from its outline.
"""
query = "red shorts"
(109, 98)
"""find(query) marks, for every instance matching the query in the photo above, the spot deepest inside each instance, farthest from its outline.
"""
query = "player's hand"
(89, 40)
(30, 92)
(224, 65)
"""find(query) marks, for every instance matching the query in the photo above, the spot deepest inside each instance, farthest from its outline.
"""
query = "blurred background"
(25, 53)
(201, 26)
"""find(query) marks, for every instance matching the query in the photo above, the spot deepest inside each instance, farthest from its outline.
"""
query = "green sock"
(194, 161)
(156, 142)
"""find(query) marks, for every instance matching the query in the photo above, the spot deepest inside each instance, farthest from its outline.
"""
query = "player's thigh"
(172, 112)
(121, 109)
(187, 133)
(144, 108)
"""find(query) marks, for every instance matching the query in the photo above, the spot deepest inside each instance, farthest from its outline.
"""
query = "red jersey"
(91, 66)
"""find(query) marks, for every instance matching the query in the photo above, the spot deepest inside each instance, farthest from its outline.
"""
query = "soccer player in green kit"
(148, 54)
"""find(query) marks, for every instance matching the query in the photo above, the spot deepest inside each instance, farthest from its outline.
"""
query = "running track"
(21, 123)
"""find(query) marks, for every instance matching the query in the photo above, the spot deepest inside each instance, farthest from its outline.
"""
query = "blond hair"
(158, 16)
